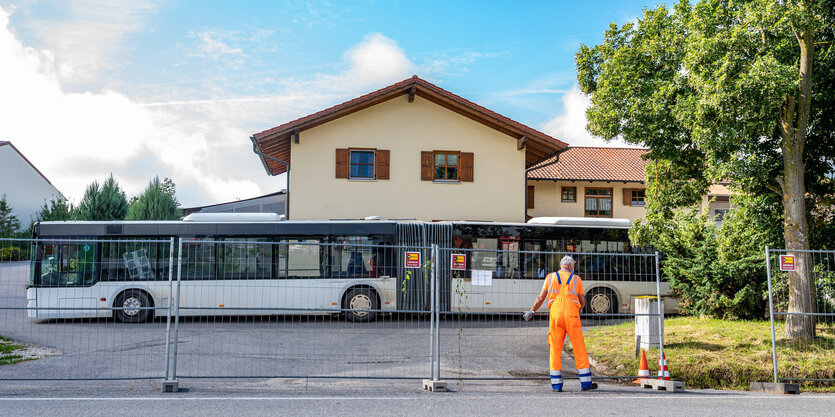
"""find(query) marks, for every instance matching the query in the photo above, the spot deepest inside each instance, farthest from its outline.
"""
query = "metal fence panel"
(482, 332)
(811, 357)
(69, 315)
(303, 308)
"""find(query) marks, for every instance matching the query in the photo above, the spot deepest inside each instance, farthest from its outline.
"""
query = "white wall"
(25, 189)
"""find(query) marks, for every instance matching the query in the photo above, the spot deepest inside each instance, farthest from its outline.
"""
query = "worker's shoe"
(588, 386)
(556, 380)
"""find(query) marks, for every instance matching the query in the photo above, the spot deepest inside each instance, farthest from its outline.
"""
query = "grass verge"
(721, 354)
(7, 349)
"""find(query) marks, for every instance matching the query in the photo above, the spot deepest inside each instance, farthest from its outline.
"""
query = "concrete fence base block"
(775, 388)
(170, 385)
(662, 385)
(434, 386)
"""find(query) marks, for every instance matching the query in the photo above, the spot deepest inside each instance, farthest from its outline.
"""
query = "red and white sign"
(459, 262)
(412, 259)
(787, 262)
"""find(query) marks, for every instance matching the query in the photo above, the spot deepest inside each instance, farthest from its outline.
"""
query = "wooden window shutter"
(530, 196)
(466, 172)
(627, 196)
(341, 163)
(381, 164)
(427, 165)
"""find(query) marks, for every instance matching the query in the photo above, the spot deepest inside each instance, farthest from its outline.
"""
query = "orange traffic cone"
(663, 372)
(643, 369)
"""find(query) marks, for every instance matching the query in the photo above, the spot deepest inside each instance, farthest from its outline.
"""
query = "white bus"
(255, 265)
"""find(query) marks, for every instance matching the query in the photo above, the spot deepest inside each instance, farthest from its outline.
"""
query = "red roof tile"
(593, 164)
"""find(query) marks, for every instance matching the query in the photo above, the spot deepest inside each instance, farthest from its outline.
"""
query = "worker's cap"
(567, 260)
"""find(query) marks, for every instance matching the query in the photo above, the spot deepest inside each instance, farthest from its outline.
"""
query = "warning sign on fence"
(459, 262)
(787, 262)
(412, 259)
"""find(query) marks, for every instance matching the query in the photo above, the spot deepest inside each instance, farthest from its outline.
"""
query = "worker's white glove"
(528, 314)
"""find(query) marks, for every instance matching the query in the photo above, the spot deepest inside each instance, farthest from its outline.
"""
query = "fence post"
(432, 323)
(436, 308)
(771, 311)
(434, 384)
(168, 314)
(660, 307)
(172, 385)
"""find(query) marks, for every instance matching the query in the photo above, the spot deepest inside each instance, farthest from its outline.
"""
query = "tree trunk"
(801, 288)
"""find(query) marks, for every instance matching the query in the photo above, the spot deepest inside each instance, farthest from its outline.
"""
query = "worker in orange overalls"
(566, 296)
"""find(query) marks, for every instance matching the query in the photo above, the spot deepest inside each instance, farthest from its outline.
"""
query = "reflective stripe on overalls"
(564, 305)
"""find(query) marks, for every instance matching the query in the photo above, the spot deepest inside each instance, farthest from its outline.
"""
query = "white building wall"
(26, 190)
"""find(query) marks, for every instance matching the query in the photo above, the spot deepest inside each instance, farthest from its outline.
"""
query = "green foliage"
(57, 209)
(717, 272)
(10, 253)
(103, 202)
(9, 224)
(157, 202)
(704, 87)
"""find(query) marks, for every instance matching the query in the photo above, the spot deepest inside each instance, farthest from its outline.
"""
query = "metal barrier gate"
(483, 335)
(810, 307)
(72, 326)
(304, 308)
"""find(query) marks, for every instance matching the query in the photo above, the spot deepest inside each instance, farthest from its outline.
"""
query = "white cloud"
(212, 47)
(83, 35)
(75, 138)
(203, 145)
(570, 125)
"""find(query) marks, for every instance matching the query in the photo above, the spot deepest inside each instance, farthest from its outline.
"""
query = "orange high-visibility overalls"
(564, 304)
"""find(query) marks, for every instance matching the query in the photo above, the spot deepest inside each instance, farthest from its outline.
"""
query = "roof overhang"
(275, 142)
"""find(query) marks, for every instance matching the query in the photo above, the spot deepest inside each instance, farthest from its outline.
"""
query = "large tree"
(157, 202)
(103, 202)
(723, 90)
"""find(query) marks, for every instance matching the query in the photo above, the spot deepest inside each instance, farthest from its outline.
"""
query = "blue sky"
(138, 88)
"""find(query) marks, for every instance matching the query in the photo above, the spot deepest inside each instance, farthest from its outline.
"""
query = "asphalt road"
(299, 397)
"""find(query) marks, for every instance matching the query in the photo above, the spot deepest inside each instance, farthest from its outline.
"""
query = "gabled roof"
(275, 142)
(593, 164)
(8, 143)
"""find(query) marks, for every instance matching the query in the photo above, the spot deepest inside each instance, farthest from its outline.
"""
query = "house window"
(598, 202)
(362, 164)
(569, 194)
(719, 215)
(638, 198)
(446, 165)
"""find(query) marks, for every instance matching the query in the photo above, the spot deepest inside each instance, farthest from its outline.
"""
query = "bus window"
(122, 261)
(198, 259)
(49, 265)
(352, 261)
(487, 259)
(75, 264)
(304, 258)
(249, 260)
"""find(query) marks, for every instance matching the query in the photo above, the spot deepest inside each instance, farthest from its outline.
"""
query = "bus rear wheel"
(131, 304)
(358, 301)
(601, 301)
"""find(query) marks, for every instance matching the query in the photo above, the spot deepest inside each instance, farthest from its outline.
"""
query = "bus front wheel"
(357, 303)
(601, 301)
(131, 306)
